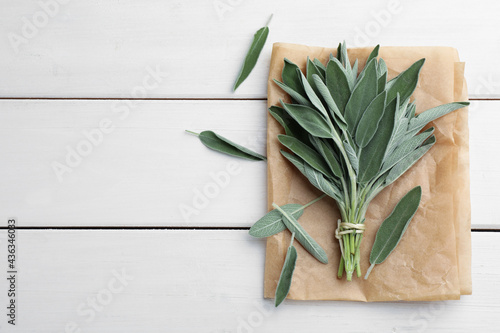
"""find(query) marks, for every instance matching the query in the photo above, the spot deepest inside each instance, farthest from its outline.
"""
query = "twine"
(349, 228)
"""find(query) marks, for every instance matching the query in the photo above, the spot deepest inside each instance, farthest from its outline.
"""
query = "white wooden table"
(117, 238)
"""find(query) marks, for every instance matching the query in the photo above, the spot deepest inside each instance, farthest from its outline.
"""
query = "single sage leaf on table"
(221, 144)
(259, 39)
(392, 229)
(271, 223)
(286, 275)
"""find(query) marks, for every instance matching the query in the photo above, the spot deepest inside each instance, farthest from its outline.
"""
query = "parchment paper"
(432, 261)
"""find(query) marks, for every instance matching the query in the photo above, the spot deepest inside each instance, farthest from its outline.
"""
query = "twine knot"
(348, 228)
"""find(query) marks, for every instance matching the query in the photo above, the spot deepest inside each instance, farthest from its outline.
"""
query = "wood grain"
(207, 281)
(104, 49)
(148, 172)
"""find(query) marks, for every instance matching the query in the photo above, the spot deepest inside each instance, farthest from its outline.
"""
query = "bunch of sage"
(351, 135)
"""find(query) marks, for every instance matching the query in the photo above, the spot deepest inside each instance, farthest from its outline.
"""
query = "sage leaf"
(291, 77)
(337, 83)
(306, 153)
(372, 155)
(293, 94)
(219, 143)
(382, 81)
(362, 95)
(402, 166)
(332, 107)
(259, 39)
(320, 67)
(405, 83)
(296, 161)
(351, 155)
(309, 119)
(321, 183)
(285, 281)
(373, 54)
(303, 237)
(369, 121)
(328, 154)
(311, 94)
(382, 68)
(311, 70)
(426, 117)
(405, 148)
(392, 229)
(289, 124)
(271, 223)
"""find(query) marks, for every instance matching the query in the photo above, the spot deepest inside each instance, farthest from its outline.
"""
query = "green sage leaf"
(309, 119)
(271, 223)
(332, 107)
(351, 155)
(405, 83)
(306, 153)
(427, 116)
(259, 39)
(293, 94)
(368, 123)
(321, 183)
(285, 281)
(372, 155)
(373, 54)
(362, 95)
(303, 237)
(392, 229)
(329, 155)
(337, 83)
(320, 67)
(313, 97)
(291, 77)
(219, 143)
(402, 166)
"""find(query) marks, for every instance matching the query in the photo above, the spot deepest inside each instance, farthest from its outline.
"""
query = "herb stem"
(269, 20)
(369, 271)
(194, 133)
(309, 203)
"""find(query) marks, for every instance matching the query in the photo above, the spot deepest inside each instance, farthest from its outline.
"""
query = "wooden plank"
(147, 171)
(206, 281)
(107, 49)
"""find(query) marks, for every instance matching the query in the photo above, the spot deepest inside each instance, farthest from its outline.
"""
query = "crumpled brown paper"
(433, 259)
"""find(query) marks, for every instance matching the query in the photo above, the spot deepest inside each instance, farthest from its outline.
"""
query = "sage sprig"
(259, 39)
(351, 135)
(223, 145)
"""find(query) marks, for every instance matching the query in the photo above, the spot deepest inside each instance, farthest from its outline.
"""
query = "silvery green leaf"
(285, 281)
(373, 54)
(382, 81)
(362, 95)
(402, 166)
(303, 237)
(372, 156)
(311, 94)
(293, 94)
(406, 148)
(306, 153)
(271, 223)
(309, 119)
(295, 160)
(392, 229)
(382, 68)
(321, 67)
(291, 78)
(405, 83)
(337, 83)
(328, 154)
(311, 70)
(321, 183)
(410, 110)
(398, 135)
(219, 143)
(291, 127)
(354, 71)
(351, 154)
(432, 114)
(332, 107)
(259, 39)
(368, 123)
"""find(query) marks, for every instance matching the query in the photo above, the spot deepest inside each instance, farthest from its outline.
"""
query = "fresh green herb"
(259, 39)
(286, 275)
(351, 136)
(392, 229)
(221, 144)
